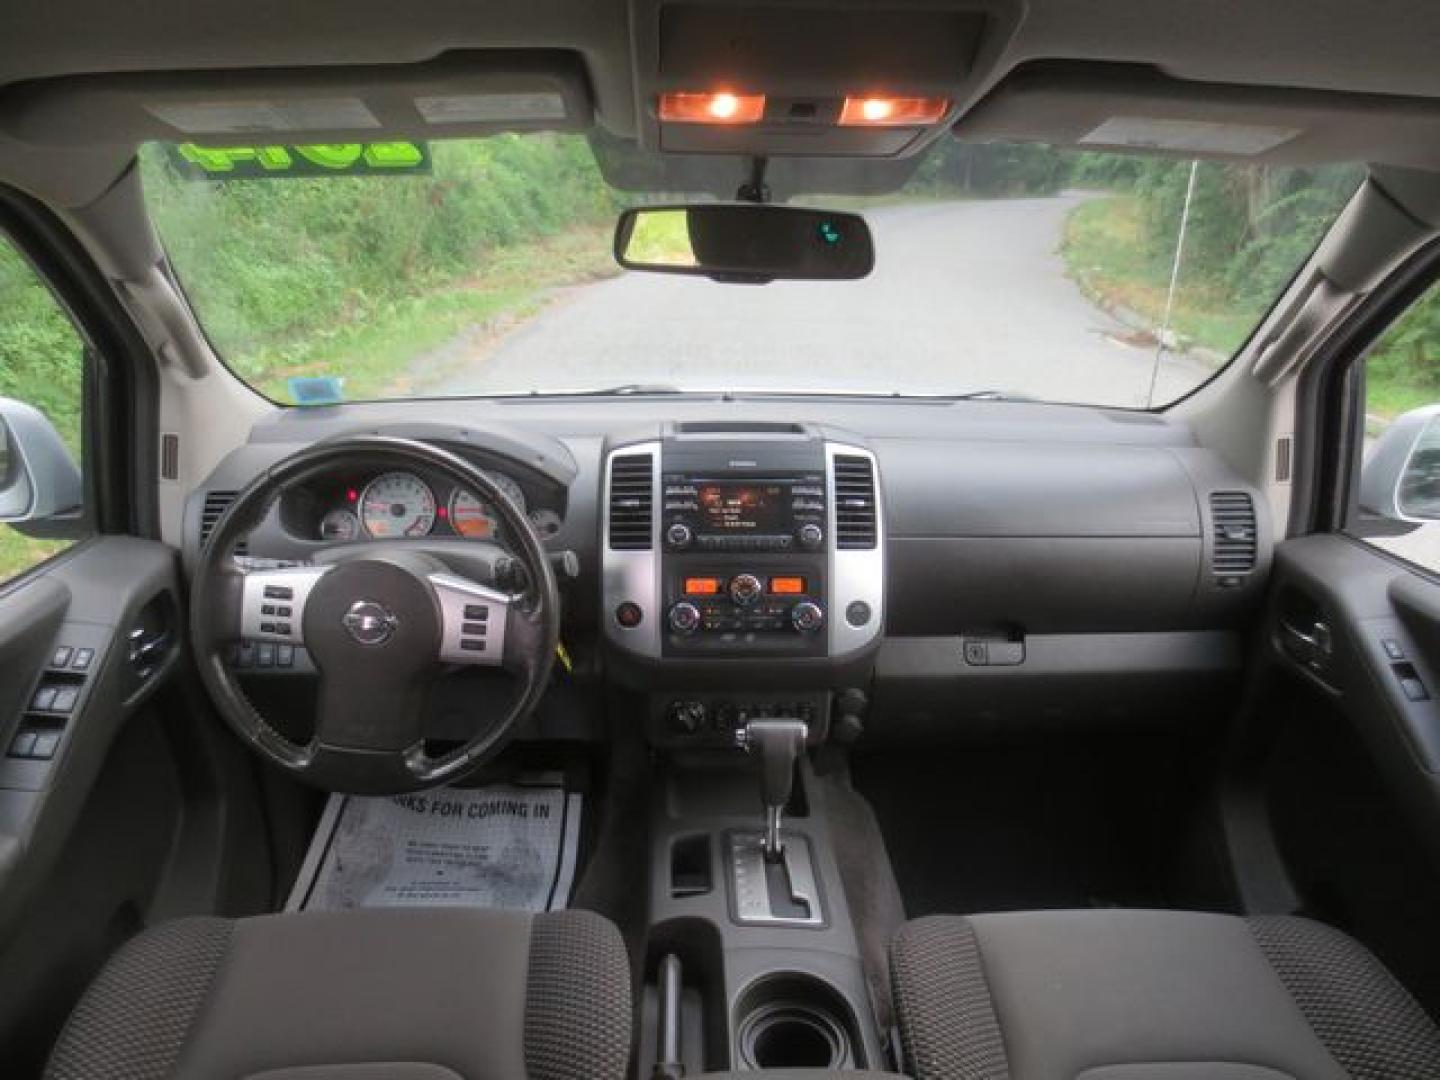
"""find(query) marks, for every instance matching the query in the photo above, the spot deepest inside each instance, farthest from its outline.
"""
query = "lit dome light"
(874, 109)
(724, 106)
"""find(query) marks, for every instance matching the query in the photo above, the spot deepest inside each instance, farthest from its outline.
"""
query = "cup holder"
(794, 1022)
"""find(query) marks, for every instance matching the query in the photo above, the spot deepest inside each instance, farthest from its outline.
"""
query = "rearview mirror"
(39, 480)
(745, 242)
(1401, 477)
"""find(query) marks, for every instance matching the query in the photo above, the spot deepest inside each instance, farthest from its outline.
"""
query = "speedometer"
(397, 504)
(477, 520)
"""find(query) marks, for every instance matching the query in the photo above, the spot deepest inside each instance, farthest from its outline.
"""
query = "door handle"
(1314, 647)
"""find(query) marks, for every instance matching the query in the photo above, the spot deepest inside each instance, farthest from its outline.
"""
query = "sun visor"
(1129, 108)
(460, 94)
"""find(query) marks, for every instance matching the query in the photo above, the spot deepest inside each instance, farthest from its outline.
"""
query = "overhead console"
(755, 541)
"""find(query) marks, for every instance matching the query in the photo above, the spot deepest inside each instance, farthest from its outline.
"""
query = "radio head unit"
(783, 512)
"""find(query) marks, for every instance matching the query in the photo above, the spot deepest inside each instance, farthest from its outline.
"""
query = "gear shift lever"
(778, 742)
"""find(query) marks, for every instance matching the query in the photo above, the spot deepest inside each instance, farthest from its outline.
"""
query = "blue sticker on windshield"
(316, 389)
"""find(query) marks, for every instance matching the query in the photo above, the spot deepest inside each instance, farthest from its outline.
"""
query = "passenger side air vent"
(854, 502)
(216, 503)
(1236, 538)
(632, 502)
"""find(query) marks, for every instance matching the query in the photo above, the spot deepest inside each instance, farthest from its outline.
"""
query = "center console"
(725, 544)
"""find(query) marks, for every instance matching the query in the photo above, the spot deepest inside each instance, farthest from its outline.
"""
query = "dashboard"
(1029, 564)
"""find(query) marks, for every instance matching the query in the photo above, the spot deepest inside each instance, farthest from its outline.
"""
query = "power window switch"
(23, 744)
(46, 743)
(1414, 690)
(62, 655)
(82, 660)
(44, 699)
(65, 699)
(1393, 649)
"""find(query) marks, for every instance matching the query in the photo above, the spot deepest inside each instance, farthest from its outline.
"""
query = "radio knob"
(811, 535)
(745, 589)
(684, 618)
(807, 617)
(679, 535)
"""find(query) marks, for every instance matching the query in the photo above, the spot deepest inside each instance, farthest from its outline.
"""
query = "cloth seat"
(397, 994)
(1151, 995)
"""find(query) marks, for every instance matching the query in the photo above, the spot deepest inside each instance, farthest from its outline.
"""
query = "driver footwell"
(512, 845)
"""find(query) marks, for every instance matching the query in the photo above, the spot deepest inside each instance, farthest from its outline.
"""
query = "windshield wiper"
(632, 389)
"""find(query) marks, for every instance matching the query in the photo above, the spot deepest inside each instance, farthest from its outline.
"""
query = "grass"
(19, 552)
(375, 349)
(1106, 251)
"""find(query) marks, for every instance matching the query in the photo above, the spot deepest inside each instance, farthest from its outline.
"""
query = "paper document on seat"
(503, 846)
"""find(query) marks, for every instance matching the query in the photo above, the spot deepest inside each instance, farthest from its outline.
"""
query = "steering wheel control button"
(472, 645)
(629, 615)
(684, 618)
(858, 613)
(279, 592)
(745, 589)
(369, 622)
(476, 612)
(807, 617)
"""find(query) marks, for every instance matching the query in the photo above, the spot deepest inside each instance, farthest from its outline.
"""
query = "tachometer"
(477, 520)
(397, 504)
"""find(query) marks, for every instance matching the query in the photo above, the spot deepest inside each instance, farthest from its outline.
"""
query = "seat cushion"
(440, 994)
(1150, 995)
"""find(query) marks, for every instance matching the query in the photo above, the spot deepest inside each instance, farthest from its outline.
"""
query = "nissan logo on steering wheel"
(369, 623)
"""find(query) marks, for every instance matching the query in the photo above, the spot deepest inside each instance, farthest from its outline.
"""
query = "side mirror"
(39, 480)
(1401, 477)
(747, 243)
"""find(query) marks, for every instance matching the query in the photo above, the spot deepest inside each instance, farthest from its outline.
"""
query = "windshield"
(1006, 270)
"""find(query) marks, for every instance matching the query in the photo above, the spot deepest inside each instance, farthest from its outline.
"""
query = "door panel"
(68, 687)
(1344, 734)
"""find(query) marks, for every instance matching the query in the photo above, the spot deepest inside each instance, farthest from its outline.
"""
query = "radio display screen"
(730, 507)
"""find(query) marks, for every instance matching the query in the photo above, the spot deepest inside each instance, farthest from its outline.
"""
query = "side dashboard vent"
(855, 499)
(216, 503)
(632, 502)
(1236, 536)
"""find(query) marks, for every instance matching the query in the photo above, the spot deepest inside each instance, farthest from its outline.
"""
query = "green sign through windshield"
(315, 159)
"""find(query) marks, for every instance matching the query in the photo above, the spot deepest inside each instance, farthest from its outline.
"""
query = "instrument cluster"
(397, 505)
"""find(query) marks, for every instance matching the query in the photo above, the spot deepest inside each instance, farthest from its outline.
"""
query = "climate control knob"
(745, 589)
(807, 617)
(684, 618)
(811, 535)
(679, 536)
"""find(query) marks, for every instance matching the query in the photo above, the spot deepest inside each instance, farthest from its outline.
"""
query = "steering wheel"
(381, 622)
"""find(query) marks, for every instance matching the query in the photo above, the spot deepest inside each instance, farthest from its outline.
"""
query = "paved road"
(965, 296)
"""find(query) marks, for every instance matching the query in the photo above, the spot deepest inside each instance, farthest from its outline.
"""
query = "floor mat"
(985, 829)
(501, 846)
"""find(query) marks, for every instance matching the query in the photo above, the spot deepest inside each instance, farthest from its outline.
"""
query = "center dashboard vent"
(855, 517)
(216, 503)
(1232, 515)
(632, 502)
